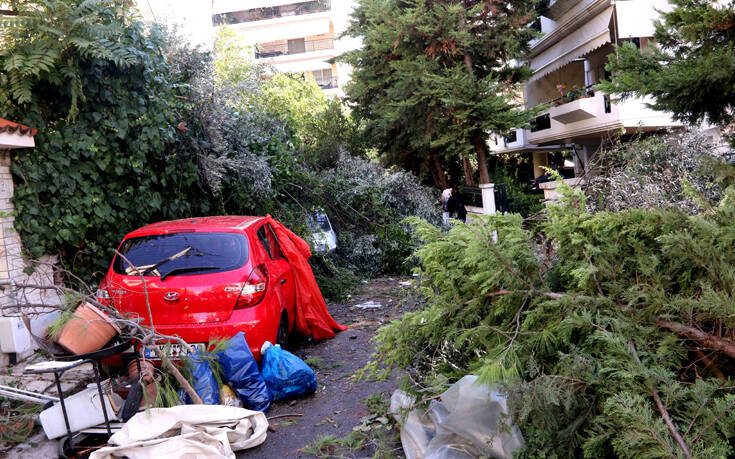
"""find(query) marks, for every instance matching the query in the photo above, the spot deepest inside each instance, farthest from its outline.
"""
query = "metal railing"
(328, 83)
(472, 196)
(282, 49)
(261, 14)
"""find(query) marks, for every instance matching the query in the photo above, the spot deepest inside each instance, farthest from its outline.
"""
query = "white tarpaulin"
(211, 431)
(592, 35)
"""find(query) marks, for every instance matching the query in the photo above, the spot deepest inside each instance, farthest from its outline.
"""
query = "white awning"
(592, 35)
(636, 18)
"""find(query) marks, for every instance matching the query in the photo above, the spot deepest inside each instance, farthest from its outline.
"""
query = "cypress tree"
(691, 72)
(434, 77)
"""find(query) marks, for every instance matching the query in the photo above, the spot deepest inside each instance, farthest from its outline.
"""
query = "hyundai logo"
(171, 296)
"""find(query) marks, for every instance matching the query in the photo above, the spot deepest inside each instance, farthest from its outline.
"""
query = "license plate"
(175, 350)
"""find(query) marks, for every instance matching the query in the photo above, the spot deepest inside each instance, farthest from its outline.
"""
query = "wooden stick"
(177, 374)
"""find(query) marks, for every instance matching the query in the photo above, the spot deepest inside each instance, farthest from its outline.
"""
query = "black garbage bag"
(241, 373)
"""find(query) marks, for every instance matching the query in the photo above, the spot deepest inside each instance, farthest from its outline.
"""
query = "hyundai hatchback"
(206, 278)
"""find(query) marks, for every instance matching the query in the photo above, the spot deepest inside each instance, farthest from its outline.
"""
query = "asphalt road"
(338, 405)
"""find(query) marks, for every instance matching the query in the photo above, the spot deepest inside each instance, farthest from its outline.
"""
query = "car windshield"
(319, 222)
(182, 254)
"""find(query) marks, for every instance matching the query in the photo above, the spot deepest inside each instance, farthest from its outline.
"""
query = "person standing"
(446, 194)
(455, 204)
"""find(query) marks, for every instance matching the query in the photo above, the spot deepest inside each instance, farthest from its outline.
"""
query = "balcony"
(327, 83)
(273, 12)
(575, 105)
(293, 47)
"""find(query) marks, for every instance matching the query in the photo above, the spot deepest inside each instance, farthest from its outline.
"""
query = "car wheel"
(282, 335)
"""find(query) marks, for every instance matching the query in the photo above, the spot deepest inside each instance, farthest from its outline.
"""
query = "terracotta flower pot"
(87, 331)
(146, 367)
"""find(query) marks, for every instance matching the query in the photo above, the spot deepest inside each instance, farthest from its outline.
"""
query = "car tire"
(282, 335)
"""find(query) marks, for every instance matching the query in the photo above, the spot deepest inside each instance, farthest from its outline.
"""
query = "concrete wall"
(14, 338)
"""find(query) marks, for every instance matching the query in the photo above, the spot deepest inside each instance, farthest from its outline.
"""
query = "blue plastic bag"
(204, 382)
(286, 375)
(241, 373)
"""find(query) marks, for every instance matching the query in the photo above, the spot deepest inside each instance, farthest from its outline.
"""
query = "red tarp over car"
(312, 316)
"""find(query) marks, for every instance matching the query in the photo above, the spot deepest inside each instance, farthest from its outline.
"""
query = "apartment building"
(568, 61)
(295, 36)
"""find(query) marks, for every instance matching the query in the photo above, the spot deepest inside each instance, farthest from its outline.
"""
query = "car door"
(281, 275)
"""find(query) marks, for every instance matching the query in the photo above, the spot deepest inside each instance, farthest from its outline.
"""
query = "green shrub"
(610, 332)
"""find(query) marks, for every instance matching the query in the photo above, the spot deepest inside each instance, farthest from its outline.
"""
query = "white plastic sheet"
(211, 431)
(469, 422)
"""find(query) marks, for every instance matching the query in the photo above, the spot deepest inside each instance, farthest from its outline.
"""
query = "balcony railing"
(300, 47)
(329, 83)
(261, 14)
(571, 95)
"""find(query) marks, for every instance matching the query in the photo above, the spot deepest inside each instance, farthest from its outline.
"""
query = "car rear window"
(182, 254)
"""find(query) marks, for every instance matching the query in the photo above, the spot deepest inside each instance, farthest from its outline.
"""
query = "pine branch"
(664, 413)
(704, 339)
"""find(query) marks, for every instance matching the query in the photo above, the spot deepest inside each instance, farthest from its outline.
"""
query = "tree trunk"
(434, 175)
(481, 150)
(436, 166)
(469, 177)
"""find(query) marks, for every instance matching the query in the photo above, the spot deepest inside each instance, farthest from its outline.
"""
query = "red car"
(206, 278)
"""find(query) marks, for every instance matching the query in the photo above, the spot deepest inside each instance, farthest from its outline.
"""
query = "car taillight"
(103, 296)
(254, 289)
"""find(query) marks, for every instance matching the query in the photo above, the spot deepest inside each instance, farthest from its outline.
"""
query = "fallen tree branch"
(177, 374)
(704, 339)
(664, 412)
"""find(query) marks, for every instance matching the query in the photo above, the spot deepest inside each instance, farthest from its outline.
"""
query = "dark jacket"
(455, 205)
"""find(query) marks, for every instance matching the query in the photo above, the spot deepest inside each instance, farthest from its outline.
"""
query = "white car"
(323, 235)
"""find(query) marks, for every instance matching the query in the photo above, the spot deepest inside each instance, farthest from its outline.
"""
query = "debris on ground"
(369, 305)
(192, 431)
(467, 421)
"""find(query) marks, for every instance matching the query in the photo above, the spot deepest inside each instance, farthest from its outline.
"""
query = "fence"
(482, 200)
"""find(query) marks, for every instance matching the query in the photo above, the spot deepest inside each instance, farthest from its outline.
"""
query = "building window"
(541, 123)
(260, 14)
(512, 137)
(297, 46)
(324, 78)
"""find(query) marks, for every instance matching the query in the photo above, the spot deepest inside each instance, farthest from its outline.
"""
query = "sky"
(193, 18)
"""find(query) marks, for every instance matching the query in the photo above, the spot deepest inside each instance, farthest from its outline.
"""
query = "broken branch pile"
(611, 332)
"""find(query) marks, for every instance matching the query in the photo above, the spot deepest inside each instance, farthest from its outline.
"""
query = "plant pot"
(146, 367)
(88, 330)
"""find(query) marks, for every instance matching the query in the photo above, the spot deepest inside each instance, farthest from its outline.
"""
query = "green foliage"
(103, 162)
(175, 133)
(432, 78)
(669, 170)
(321, 125)
(521, 200)
(691, 72)
(575, 319)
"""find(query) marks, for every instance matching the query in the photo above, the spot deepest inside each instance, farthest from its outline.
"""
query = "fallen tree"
(613, 333)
